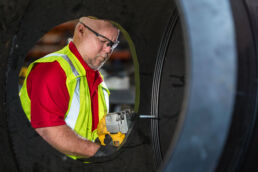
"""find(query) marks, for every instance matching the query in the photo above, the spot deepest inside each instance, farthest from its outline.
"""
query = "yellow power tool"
(113, 127)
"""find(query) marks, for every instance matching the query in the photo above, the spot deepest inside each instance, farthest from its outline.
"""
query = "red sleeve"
(46, 85)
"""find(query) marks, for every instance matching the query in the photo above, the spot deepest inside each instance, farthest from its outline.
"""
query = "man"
(64, 95)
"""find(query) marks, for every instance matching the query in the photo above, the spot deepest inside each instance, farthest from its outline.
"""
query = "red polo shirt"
(46, 85)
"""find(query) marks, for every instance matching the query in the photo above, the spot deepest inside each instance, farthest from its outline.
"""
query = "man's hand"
(105, 151)
(64, 139)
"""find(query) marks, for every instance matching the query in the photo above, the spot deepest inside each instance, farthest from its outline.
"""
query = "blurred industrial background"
(118, 70)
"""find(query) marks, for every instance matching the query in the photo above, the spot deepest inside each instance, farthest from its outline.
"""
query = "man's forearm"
(64, 139)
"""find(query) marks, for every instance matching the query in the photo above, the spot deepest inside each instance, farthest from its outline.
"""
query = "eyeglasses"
(110, 43)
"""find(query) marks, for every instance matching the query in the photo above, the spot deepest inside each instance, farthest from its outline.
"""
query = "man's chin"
(101, 64)
(96, 67)
(93, 67)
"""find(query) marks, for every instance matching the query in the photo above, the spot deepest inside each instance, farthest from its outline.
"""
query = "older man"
(64, 95)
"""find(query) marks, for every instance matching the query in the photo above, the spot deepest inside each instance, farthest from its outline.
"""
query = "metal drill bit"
(148, 116)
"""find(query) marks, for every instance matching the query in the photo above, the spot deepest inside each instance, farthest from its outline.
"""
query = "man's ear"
(80, 29)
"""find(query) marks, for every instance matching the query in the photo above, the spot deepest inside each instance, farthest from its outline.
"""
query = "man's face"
(97, 51)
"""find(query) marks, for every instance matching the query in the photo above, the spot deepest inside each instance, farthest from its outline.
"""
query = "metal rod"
(148, 116)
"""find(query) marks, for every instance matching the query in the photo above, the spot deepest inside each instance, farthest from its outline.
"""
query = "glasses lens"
(115, 45)
(110, 44)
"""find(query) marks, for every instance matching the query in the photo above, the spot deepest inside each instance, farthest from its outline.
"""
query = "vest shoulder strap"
(66, 58)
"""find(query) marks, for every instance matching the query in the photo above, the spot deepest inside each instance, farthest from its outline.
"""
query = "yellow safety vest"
(79, 114)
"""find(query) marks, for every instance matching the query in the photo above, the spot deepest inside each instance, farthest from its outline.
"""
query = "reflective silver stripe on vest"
(67, 59)
(106, 96)
(73, 113)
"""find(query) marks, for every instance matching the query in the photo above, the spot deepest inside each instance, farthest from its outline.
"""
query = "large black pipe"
(209, 86)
